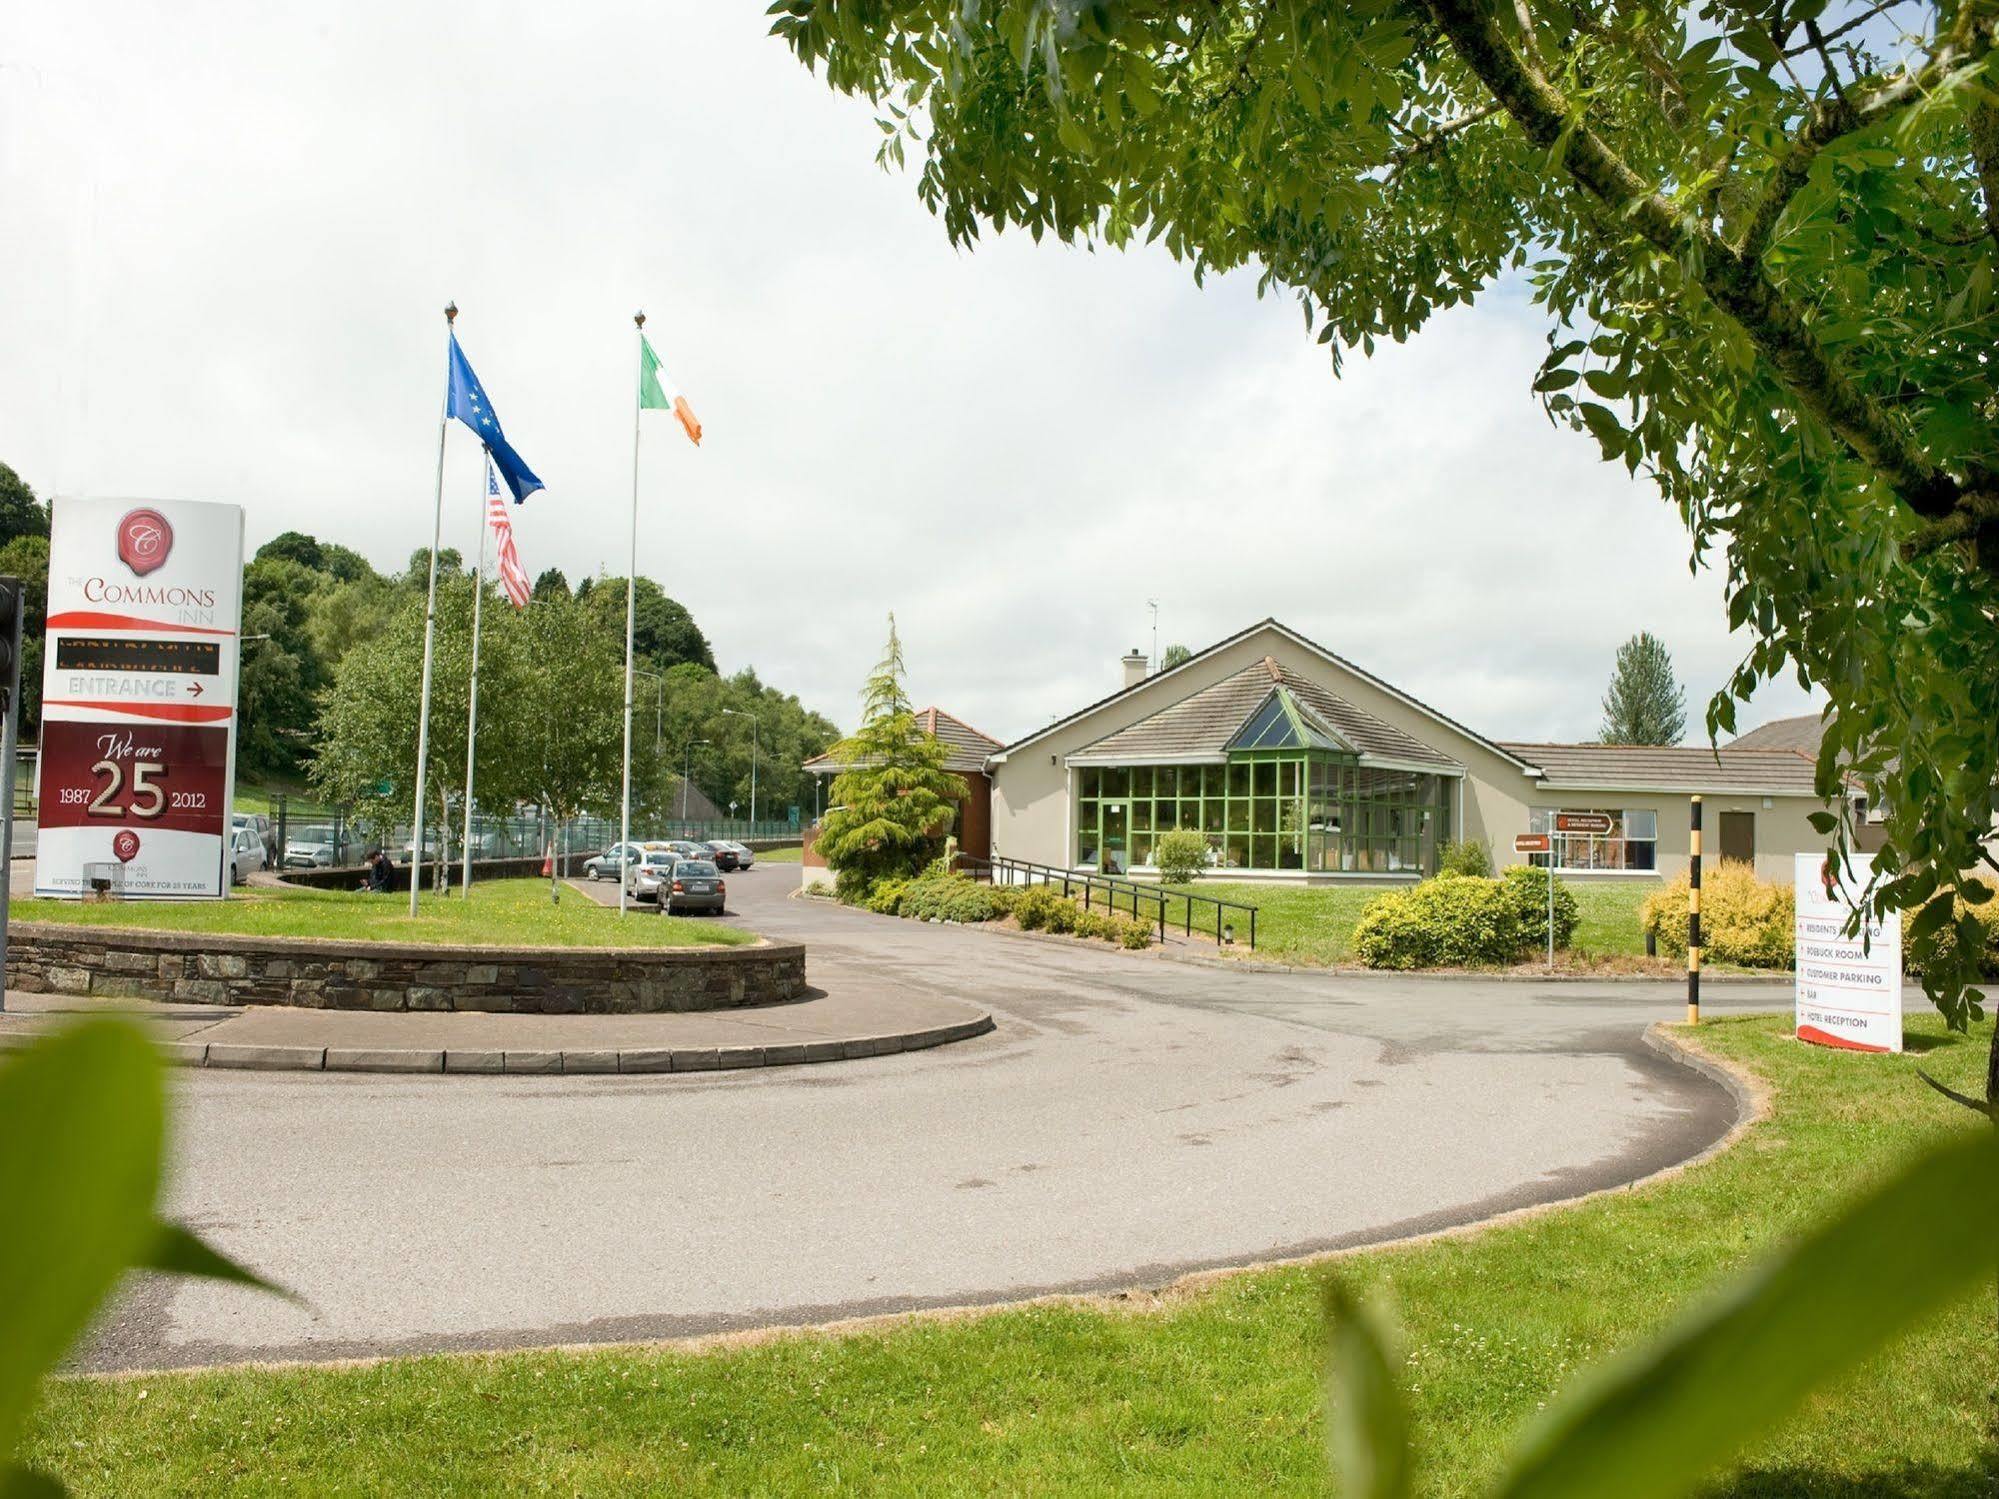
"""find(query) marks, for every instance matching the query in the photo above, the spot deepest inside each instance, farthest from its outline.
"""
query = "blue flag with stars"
(467, 402)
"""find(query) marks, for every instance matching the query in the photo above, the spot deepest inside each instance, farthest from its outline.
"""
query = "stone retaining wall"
(49, 957)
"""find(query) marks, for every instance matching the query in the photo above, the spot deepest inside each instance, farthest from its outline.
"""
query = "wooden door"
(1738, 836)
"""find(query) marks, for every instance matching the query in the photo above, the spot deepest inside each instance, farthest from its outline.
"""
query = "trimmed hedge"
(1463, 921)
(1744, 920)
(938, 894)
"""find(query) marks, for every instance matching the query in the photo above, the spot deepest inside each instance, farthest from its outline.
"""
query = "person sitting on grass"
(380, 878)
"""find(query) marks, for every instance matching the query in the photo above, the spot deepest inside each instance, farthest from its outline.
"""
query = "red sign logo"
(144, 539)
(125, 845)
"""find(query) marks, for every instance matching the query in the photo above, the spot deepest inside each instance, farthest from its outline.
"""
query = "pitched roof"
(1802, 733)
(1203, 725)
(1670, 767)
(969, 747)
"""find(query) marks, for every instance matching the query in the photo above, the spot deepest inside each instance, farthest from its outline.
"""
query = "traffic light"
(10, 641)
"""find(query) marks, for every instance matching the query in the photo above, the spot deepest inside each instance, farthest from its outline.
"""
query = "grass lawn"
(508, 912)
(780, 855)
(1295, 924)
(1206, 1392)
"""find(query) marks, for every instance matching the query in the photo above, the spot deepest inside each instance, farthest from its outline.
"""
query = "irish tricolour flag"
(657, 391)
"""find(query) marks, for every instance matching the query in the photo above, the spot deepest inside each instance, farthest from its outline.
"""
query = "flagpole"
(631, 605)
(430, 622)
(472, 713)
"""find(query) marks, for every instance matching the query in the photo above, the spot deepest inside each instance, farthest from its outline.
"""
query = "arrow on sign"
(194, 689)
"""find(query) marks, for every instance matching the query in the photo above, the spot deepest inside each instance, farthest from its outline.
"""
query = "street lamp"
(735, 713)
(687, 769)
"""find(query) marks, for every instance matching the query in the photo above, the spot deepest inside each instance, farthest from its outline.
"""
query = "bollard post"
(1694, 916)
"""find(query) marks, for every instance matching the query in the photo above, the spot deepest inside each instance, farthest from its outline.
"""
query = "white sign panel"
(1849, 989)
(138, 762)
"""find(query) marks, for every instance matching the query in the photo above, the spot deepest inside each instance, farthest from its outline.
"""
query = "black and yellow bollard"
(1694, 917)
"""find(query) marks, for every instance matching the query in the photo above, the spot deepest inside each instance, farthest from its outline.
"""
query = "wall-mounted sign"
(1532, 843)
(1582, 822)
(138, 762)
(1849, 988)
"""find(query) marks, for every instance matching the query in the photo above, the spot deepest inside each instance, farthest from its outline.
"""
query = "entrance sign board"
(1582, 822)
(1532, 843)
(1849, 988)
(138, 763)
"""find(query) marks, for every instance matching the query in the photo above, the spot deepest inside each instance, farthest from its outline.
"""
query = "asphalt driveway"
(1130, 1118)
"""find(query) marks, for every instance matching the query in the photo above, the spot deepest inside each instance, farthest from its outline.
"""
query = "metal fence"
(1187, 910)
(315, 833)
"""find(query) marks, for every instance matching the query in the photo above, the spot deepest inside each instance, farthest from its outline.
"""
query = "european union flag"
(468, 403)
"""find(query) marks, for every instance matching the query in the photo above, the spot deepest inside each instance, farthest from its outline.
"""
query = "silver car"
(646, 879)
(745, 855)
(310, 848)
(246, 854)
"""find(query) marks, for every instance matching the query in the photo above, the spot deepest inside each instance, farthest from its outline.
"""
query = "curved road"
(1132, 1118)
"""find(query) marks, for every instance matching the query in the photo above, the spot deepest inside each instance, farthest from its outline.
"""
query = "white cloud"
(236, 224)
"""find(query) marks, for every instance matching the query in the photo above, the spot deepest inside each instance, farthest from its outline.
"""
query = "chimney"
(1136, 668)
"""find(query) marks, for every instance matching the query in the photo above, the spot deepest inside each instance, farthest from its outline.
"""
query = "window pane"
(1212, 814)
(1266, 778)
(1641, 824)
(1166, 781)
(1141, 781)
(1235, 851)
(1164, 818)
(1263, 852)
(1117, 782)
(1089, 783)
(1287, 778)
(1141, 815)
(1141, 848)
(1239, 778)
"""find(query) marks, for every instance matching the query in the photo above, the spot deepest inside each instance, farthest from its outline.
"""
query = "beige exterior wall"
(1034, 790)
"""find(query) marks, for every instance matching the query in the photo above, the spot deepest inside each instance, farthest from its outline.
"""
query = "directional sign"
(1849, 989)
(139, 698)
(1531, 843)
(1582, 822)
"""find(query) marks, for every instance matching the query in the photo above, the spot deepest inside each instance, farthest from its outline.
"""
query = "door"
(1114, 838)
(1738, 836)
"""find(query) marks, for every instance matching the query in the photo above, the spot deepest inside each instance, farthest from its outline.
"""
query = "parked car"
(690, 848)
(693, 885)
(610, 864)
(646, 878)
(310, 848)
(262, 826)
(246, 854)
(744, 854)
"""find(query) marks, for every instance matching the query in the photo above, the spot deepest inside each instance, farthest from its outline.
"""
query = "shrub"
(1092, 924)
(1743, 920)
(1180, 856)
(1451, 921)
(946, 897)
(1985, 915)
(1038, 907)
(1469, 857)
(1527, 888)
(1132, 934)
(884, 895)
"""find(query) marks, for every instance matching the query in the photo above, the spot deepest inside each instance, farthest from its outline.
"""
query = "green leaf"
(1651, 1423)
(177, 1250)
(1368, 1425)
(20, 1482)
(1822, 822)
(83, 1118)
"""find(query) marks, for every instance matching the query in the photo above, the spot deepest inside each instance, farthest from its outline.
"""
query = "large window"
(1307, 810)
(1631, 844)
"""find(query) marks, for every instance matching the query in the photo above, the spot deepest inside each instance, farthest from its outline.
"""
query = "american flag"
(513, 577)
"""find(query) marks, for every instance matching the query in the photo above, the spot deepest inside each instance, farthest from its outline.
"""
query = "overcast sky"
(227, 231)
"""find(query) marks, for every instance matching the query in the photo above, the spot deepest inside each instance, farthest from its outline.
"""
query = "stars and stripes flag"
(513, 577)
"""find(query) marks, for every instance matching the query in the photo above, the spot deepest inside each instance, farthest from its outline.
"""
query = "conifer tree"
(1645, 704)
(894, 804)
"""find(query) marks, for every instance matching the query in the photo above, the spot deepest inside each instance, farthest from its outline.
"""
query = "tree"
(1645, 704)
(891, 810)
(1763, 239)
(663, 632)
(294, 546)
(1174, 655)
(27, 557)
(450, 564)
(551, 585)
(21, 514)
(279, 676)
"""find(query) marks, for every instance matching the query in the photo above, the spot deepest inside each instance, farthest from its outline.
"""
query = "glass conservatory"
(1289, 795)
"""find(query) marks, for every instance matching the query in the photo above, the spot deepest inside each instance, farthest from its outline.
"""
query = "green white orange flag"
(657, 392)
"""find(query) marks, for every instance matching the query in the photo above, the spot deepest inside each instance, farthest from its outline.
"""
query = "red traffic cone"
(548, 862)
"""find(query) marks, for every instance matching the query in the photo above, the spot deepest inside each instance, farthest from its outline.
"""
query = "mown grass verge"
(1214, 1389)
(509, 913)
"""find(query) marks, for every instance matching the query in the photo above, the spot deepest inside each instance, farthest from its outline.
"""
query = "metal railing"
(1115, 894)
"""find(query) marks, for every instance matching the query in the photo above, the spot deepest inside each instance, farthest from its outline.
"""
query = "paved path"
(1131, 1118)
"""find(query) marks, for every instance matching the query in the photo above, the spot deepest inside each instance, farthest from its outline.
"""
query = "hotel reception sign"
(1849, 988)
(138, 759)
